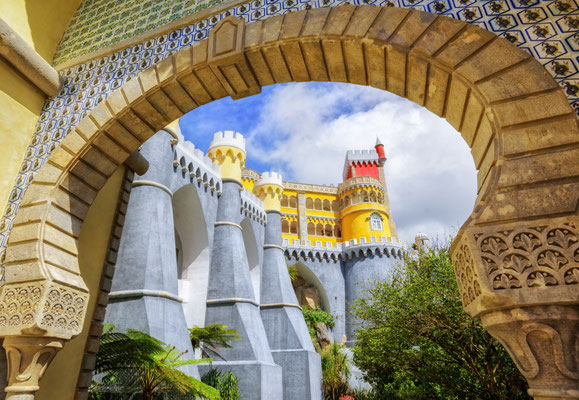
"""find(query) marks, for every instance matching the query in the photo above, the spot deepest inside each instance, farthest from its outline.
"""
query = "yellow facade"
(230, 159)
(41, 24)
(248, 183)
(356, 222)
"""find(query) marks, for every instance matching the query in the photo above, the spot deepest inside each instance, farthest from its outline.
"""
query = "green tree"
(135, 365)
(212, 338)
(335, 371)
(416, 342)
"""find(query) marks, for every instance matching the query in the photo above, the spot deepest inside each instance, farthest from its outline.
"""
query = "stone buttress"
(230, 295)
(144, 294)
(284, 323)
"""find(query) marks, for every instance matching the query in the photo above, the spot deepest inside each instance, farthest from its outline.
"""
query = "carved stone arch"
(522, 132)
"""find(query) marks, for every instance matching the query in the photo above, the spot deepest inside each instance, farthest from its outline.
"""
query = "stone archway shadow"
(516, 257)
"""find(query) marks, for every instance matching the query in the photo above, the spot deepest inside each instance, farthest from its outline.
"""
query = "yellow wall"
(356, 222)
(248, 183)
(92, 246)
(41, 23)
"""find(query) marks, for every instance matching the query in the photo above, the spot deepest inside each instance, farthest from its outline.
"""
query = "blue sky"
(303, 130)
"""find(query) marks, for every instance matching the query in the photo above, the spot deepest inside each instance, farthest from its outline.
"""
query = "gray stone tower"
(144, 293)
(230, 295)
(284, 323)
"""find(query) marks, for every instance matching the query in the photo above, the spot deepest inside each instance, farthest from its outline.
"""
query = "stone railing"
(360, 181)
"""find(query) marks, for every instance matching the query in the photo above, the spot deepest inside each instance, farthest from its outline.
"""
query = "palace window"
(376, 222)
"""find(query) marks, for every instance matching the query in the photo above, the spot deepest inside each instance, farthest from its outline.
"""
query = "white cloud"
(304, 131)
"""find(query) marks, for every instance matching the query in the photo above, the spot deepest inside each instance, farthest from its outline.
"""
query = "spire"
(380, 150)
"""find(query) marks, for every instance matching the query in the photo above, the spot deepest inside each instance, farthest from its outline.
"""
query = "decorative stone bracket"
(523, 282)
(28, 358)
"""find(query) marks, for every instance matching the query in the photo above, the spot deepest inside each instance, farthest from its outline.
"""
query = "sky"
(303, 130)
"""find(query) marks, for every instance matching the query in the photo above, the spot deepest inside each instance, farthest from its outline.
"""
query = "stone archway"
(516, 257)
(192, 232)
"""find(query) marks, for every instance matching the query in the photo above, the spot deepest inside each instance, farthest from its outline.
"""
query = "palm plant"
(212, 338)
(335, 371)
(134, 365)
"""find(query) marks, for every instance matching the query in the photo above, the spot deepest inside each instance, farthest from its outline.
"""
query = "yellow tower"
(269, 189)
(363, 197)
(363, 215)
(228, 151)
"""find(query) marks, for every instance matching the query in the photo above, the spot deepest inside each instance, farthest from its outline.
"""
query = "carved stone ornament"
(544, 343)
(42, 309)
(28, 358)
(521, 266)
(532, 257)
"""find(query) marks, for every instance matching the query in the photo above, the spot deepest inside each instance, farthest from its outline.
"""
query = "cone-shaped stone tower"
(144, 293)
(282, 317)
(230, 296)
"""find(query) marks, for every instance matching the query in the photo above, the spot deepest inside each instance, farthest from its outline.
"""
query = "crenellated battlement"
(228, 138)
(251, 206)
(195, 166)
(270, 178)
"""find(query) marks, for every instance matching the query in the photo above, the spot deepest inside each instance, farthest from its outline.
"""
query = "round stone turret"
(269, 189)
(228, 151)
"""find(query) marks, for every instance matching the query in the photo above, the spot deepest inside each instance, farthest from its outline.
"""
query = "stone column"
(144, 293)
(230, 296)
(282, 317)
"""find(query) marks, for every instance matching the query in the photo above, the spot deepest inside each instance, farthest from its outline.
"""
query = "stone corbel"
(227, 60)
(522, 281)
(36, 318)
(28, 358)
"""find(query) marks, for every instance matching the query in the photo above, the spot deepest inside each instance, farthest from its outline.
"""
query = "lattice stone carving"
(466, 275)
(42, 306)
(531, 257)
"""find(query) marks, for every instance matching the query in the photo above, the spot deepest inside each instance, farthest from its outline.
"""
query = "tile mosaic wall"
(98, 24)
(549, 30)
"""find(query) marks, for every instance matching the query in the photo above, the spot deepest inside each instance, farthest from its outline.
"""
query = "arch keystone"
(227, 59)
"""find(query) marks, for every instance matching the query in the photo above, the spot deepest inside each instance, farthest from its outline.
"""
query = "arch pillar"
(521, 281)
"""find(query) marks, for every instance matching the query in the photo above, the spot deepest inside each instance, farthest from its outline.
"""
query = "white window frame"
(376, 223)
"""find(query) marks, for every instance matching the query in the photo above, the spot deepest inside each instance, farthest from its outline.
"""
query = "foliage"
(212, 338)
(313, 316)
(227, 384)
(416, 342)
(335, 371)
(134, 365)
(293, 272)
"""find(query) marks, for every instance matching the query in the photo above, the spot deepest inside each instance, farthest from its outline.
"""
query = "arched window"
(285, 226)
(327, 205)
(293, 202)
(284, 201)
(376, 222)
(335, 207)
(294, 227)
(319, 230)
(318, 204)
(337, 231)
(311, 228)
(309, 203)
(328, 231)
